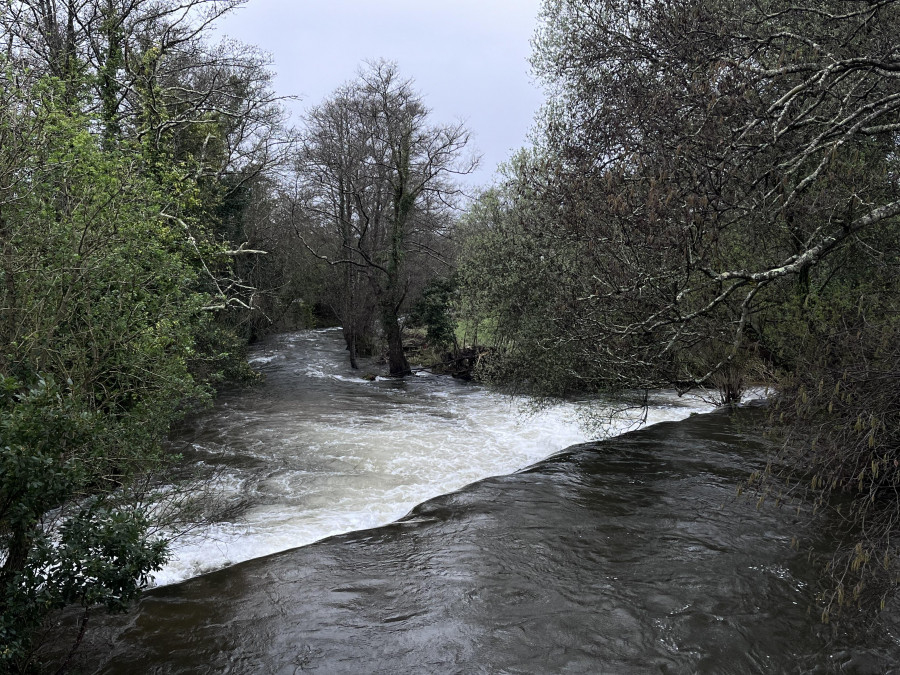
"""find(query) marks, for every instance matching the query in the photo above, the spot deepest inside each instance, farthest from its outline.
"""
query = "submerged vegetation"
(712, 200)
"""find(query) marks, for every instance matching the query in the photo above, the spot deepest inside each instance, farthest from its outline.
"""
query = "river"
(426, 526)
(317, 450)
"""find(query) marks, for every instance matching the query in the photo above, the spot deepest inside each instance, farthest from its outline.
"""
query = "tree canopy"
(123, 135)
(713, 200)
(374, 192)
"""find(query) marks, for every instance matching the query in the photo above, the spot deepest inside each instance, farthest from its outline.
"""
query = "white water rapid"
(316, 450)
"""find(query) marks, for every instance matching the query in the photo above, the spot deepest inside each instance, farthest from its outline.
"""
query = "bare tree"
(154, 76)
(378, 178)
(714, 156)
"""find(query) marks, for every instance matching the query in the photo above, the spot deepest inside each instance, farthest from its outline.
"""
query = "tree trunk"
(351, 329)
(397, 363)
(350, 339)
(8, 296)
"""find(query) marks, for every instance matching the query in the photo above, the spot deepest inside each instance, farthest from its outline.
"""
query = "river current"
(316, 449)
(470, 539)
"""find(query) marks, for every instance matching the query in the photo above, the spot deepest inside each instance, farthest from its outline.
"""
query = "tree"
(734, 151)
(707, 161)
(121, 136)
(716, 191)
(374, 187)
(98, 319)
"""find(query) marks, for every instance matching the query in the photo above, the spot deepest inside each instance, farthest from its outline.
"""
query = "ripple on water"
(316, 450)
(628, 557)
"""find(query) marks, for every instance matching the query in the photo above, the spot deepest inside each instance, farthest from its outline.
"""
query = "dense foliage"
(714, 201)
(123, 140)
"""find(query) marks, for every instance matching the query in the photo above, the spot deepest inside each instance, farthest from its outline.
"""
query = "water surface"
(316, 450)
(628, 556)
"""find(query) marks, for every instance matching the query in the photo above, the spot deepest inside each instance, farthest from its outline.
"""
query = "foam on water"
(316, 450)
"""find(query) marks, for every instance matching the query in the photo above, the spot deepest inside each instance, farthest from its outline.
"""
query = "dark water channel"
(629, 556)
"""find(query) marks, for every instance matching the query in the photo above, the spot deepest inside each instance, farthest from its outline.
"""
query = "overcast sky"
(469, 58)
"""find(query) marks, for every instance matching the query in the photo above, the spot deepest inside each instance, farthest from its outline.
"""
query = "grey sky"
(469, 58)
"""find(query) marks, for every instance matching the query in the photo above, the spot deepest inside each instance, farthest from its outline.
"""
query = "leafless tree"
(713, 157)
(155, 76)
(377, 178)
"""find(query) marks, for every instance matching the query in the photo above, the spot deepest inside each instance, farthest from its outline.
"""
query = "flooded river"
(631, 555)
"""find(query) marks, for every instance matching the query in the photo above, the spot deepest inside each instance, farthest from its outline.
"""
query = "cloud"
(468, 57)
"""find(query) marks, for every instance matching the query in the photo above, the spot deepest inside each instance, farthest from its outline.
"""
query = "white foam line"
(330, 472)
